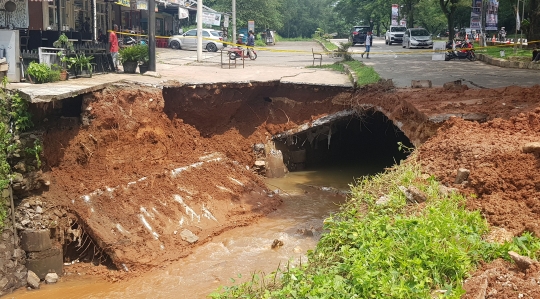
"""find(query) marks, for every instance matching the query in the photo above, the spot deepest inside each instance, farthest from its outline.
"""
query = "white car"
(394, 35)
(417, 38)
(212, 40)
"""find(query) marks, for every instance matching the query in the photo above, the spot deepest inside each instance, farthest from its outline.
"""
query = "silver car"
(212, 40)
(417, 38)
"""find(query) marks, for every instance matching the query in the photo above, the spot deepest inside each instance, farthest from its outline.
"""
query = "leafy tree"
(430, 16)
(265, 13)
(449, 8)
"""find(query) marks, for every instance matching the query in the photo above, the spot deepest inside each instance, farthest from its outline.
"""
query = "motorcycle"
(130, 40)
(238, 52)
(460, 50)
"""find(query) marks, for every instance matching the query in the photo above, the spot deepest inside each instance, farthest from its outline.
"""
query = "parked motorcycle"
(238, 52)
(460, 50)
(130, 40)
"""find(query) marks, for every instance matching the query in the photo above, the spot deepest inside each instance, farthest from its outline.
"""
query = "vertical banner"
(492, 15)
(476, 15)
(226, 21)
(251, 26)
(395, 12)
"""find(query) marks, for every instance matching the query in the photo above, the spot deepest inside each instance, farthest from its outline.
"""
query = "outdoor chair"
(316, 56)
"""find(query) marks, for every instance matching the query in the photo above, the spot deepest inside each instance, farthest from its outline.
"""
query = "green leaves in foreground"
(393, 250)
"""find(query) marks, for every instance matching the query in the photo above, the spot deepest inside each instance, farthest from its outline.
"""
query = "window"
(205, 34)
(192, 32)
(398, 29)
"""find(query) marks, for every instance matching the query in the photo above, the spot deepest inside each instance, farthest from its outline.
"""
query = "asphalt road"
(403, 65)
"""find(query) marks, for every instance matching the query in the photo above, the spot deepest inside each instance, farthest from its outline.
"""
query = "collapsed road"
(133, 176)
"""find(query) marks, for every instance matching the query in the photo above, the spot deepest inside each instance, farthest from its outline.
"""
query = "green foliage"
(35, 151)
(338, 67)
(14, 118)
(81, 62)
(329, 45)
(138, 53)
(42, 73)
(366, 74)
(390, 250)
(63, 42)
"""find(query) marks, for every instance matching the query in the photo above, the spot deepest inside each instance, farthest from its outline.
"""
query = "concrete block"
(35, 240)
(462, 175)
(532, 147)
(44, 262)
(421, 83)
(33, 280)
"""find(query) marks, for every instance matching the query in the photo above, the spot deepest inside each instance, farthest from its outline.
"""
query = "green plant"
(63, 42)
(136, 53)
(35, 151)
(42, 73)
(81, 62)
(390, 250)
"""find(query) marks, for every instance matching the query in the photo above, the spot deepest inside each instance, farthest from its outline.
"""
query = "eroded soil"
(138, 133)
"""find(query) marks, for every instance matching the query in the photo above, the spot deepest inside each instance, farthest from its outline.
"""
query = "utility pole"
(234, 21)
(515, 37)
(152, 35)
(199, 30)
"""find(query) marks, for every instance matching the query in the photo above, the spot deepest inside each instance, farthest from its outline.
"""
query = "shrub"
(137, 53)
(42, 73)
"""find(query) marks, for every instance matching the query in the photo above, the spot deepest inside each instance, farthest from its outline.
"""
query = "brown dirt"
(504, 182)
(138, 133)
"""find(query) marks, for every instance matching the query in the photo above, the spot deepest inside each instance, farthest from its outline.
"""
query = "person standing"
(113, 48)
(369, 42)
(250, 42)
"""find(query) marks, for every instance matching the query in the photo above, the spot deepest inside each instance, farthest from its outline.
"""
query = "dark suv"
(358, 34)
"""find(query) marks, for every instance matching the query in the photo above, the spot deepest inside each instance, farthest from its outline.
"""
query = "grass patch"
(330, 46)
(366, 74)
(338, 67)
(394, 250)
(494, 51)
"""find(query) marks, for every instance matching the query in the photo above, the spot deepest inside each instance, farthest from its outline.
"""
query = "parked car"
(212, 40)
(418, 38)
(394, 34)
(358, 34)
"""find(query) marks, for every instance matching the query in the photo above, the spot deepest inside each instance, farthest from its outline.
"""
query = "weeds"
(391, 250)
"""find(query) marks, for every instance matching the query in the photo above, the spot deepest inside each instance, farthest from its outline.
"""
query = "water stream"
(243, 250)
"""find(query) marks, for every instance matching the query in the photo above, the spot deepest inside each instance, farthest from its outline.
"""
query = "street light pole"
(234, 21)
(199, 30)
(152, 35)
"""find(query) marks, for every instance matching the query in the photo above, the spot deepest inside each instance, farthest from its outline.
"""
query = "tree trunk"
(533, 34)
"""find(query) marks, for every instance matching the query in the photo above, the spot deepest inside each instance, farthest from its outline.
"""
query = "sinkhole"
(367, 139)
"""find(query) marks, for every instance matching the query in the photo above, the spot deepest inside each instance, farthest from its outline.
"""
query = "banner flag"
(518, 21)
(395, 12)
(492, 15)
(476, 15)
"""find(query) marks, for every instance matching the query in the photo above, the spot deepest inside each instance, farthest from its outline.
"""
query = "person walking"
(113, 48)
(369, 42)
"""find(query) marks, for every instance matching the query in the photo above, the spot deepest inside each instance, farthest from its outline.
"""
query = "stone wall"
(12, 258)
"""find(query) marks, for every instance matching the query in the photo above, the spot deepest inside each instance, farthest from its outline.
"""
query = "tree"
(265, 13)
(449, 8)
(430, 16)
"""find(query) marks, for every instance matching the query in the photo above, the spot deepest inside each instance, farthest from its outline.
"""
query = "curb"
(352, 74)
(507, 63)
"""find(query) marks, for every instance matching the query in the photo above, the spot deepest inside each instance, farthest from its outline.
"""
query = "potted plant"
(144, 58)
(81, 63)
(66, 64)
(41, 73)
(129, 57)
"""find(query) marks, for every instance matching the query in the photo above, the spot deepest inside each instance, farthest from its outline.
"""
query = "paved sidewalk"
(178, 67)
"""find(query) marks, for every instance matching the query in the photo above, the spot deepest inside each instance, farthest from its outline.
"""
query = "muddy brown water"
(241, 251)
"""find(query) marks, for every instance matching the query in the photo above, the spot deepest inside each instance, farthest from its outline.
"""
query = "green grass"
(366, 74)
(396, 250)
(494, 51)
(330, 46)
(338, 67)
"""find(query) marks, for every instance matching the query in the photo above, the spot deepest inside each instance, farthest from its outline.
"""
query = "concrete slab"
(48, 261)
(35, 240)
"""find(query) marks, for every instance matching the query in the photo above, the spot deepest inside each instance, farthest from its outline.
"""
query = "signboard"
(439, 50)
(142, 5)
(123, 3)
(395, 12)
(492, 15)
(226, 21)
(251, 26)
(476, 15)
(183, 13)
(211, 18)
